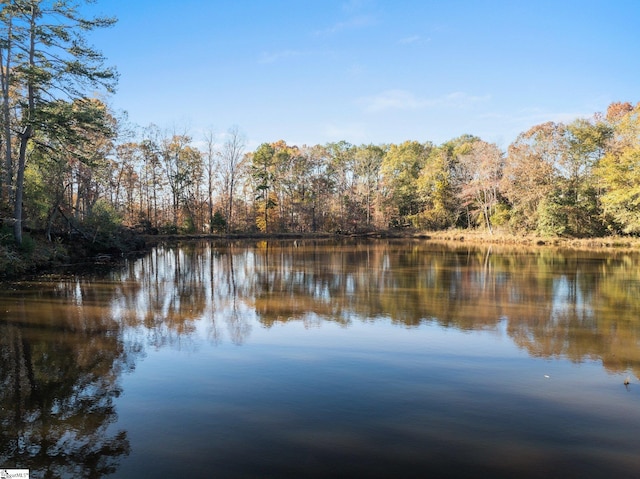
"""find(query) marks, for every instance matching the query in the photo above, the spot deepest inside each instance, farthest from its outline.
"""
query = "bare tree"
(230, 160)
(210, 164)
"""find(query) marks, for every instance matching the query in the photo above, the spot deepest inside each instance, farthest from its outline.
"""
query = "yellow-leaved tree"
(619, 170)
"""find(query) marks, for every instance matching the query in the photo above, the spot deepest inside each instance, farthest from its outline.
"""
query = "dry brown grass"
(480, 236)
(450, 236)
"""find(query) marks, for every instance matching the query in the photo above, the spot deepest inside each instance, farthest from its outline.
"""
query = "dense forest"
(72, 166)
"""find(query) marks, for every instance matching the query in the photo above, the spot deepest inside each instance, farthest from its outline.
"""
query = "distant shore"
(454, 236)
(45, 257)
(471, 236)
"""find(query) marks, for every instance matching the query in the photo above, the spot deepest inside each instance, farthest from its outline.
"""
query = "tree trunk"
(5, 74)
(230, 212)
(26, 134)
(17, 206)
(5, 183)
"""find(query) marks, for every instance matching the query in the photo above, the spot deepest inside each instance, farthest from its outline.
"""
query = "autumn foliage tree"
(400, 170)
(480, 172)
(618, 171)
(530, 177)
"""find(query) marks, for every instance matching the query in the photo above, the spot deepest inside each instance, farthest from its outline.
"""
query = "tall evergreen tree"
(45, 42)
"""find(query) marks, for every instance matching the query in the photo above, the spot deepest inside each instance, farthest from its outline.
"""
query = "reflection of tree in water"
(61, 360)
(173, 289)
(572, 304)
(226, 306)
(555, 303)
(583, 311)
(62, 352)
(309, 281)
(164, 294)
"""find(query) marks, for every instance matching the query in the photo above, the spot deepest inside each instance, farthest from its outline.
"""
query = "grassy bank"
(447, 236)
(472, 236)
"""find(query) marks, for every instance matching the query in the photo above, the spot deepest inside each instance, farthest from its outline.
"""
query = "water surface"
(326, 359)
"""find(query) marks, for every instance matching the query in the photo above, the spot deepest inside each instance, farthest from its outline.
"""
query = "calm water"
(322, 359)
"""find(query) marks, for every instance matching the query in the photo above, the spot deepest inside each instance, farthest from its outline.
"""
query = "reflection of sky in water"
(393, 397)
(567, 296)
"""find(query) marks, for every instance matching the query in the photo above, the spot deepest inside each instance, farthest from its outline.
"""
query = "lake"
(352, 358)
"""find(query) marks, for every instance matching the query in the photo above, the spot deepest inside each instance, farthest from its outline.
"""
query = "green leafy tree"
(218, 222)
(620, 176)
(6, 83)
(263, 175)
(586, 142)
(618, 171)
(437, 190)
(54, 62)
(66, 173)
(400, 170)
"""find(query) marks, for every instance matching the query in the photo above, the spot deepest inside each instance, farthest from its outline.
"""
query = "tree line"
(70, 167)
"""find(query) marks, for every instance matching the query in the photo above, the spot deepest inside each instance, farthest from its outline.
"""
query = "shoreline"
(48, 258)
(616, 243)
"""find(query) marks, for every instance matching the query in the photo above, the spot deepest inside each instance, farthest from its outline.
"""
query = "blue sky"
(369, 71)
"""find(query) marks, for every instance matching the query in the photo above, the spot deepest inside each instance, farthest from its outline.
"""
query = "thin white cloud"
(356, 71)
(394, 100)
(406, 100)
(461, 99)
(355, 5)
(272, 57)
(360, 21)
(411, 40)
